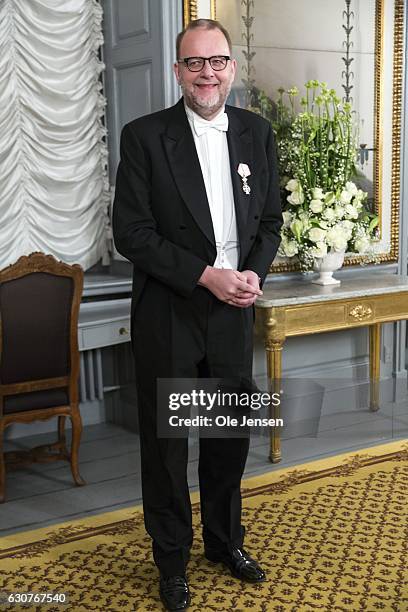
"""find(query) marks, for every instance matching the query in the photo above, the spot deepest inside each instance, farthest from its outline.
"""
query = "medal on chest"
(244, 172)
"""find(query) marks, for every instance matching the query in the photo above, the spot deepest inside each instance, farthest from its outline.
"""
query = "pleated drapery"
(54, 190)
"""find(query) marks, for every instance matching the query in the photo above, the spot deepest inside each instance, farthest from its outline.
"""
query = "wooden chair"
(39, 358)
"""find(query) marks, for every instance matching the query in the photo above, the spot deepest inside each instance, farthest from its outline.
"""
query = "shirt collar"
(191, 114)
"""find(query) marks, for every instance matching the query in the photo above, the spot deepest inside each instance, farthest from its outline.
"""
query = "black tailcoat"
(162, 224)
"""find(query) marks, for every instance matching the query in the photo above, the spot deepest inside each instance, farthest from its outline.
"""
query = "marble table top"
(302, 291)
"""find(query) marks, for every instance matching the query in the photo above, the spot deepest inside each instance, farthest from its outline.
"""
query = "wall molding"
(172, 24)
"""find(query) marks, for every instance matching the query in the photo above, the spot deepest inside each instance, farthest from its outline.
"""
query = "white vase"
(326, 266)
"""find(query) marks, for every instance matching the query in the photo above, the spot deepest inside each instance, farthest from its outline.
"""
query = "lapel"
(239, 138)
(181, 153)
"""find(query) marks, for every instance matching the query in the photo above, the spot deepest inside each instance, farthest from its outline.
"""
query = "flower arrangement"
(325, 210)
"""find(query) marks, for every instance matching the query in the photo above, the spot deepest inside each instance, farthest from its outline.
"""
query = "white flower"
(320, 250)
(351, 211)
(339, 210)
(297, 228)
(316, 206)
(329, 214)
(290, 248)
(305, 218)
(292, 185)
(316, 234)
(317, 193)
(287, 218)
(347, 227)
(362, 244)
(345, 196)
(296, 198)
(336, 238)
(352, 188)
(329, 198)
(360, 195)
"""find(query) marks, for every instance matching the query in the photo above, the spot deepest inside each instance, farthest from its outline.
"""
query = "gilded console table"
(298, 307)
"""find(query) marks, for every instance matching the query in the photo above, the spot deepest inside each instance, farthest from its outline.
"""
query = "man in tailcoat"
(197, 212)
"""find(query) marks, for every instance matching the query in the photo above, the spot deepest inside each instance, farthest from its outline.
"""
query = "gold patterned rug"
(332, 535)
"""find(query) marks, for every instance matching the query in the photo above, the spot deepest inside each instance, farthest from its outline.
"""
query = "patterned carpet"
(332, 535)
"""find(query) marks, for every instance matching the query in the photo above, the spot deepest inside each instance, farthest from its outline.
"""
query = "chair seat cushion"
(37, 399)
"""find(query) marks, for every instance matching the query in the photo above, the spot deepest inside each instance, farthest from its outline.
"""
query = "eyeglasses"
(195, 64)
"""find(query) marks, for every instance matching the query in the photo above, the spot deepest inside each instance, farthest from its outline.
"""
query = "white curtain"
(54, 190)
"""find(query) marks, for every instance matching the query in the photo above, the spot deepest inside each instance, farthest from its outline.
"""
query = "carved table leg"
(274, 370)
(375, 348)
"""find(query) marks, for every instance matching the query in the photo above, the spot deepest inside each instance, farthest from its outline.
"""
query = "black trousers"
(175, 337)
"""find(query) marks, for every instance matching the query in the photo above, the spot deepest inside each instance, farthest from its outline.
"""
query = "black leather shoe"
(174, 592)
(240, 564)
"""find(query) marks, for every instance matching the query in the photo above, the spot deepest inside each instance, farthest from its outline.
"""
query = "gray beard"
(207, 108)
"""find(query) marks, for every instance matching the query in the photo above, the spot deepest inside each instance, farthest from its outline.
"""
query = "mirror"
(356, 47)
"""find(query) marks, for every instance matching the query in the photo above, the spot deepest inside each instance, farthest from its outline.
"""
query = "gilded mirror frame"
(191, 11)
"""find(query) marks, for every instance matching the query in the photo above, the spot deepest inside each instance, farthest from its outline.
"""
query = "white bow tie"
(201, 126)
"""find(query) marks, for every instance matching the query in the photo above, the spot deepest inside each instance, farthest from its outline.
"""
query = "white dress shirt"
(210, 139)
